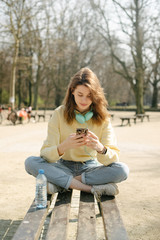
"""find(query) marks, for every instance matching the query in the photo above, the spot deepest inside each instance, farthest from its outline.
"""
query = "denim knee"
(123, 171)
(29, 164)
(26, 164)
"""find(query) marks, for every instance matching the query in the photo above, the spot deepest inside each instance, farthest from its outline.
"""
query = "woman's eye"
(89, 96)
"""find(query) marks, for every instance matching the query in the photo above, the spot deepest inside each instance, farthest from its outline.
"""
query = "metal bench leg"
(122, 122)
(129, 122)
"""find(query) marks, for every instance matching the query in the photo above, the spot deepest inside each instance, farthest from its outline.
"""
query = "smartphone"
(81, 130)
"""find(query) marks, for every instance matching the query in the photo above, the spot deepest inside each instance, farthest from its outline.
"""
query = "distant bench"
(134, 118)
(41, 116)
(142, 116)
(32, 224)
(128, 119)
(33, 116)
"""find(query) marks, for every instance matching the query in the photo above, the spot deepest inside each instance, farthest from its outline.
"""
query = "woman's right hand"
(73, 141)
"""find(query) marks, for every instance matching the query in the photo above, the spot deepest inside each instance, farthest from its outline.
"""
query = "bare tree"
(154, 60)
(68, 45)
(60, 39)
(131, 18)
(16, 13)
(5, 66)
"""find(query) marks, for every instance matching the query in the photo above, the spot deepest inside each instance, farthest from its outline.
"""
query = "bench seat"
(30, 228)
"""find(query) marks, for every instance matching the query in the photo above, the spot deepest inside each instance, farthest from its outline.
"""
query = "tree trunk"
(139, 101)
(155, 96)
(58, 96)
(138, 91)
(30, 82)
(0, 88)
(13, 75)
(36, 86)
(30, 93)
(19, 89)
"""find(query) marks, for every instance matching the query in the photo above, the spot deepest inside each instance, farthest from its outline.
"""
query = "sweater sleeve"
(108, 139)
(49, 148)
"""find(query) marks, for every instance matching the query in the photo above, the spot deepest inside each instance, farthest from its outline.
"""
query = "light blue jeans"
(62, 172)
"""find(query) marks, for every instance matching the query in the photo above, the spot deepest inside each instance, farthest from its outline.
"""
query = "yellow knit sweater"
(59, 130)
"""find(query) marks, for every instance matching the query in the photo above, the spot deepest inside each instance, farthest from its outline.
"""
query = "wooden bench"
(128, 119)
(32, 224)
(142, 116)
(41, 116)
(33, 116)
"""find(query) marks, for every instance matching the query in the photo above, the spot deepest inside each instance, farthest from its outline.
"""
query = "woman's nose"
(84, 99)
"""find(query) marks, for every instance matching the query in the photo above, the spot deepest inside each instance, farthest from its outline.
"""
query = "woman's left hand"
(93, 142)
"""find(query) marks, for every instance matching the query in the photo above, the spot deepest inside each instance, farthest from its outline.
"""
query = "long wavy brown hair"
(99, 103)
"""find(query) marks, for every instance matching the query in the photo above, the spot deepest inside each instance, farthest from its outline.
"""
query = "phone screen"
(82, 130)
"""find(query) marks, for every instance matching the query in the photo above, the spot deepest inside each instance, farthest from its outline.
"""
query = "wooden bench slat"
(58, 225)
(113, 224)
(31, 226)
(86, 218)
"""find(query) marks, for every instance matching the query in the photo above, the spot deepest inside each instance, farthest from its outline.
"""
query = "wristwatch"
(104, 150)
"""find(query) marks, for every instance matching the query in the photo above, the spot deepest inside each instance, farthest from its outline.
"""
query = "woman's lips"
(84, 105)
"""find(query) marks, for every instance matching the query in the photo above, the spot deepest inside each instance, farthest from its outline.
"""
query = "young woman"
(84, 161)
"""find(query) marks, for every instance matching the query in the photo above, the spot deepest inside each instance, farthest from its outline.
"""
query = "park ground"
(139, 197)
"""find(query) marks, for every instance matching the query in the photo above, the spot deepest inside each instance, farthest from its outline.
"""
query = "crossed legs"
(63, 175)
(77, 184)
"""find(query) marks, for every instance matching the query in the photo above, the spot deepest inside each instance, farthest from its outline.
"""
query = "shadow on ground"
(8, 228)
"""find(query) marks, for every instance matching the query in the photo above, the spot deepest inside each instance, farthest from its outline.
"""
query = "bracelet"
(104, 150)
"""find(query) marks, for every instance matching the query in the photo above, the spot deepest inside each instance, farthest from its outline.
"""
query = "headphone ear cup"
(80, 118)
(88, 116)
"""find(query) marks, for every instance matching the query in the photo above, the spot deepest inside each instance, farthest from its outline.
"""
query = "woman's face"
(82, 97)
